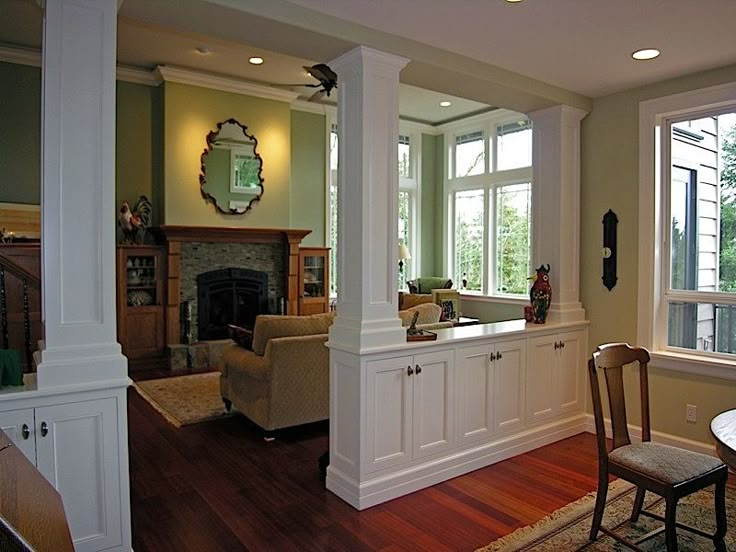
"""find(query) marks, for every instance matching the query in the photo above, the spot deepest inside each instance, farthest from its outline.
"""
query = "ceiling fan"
(327, 81)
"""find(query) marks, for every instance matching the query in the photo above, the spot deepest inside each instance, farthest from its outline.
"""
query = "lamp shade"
(404, 252)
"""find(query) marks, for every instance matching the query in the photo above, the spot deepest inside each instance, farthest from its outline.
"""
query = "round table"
(723, 428)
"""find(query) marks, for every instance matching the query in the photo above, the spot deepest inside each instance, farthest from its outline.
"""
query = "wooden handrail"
(15, 269)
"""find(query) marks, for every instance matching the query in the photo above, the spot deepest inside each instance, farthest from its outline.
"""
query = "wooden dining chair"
(667, 471)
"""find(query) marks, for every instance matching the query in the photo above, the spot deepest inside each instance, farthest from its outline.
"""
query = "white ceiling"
(575, 46)
(580, 45)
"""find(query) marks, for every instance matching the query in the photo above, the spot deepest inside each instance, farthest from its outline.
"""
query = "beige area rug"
(185, 400)
(567, 529)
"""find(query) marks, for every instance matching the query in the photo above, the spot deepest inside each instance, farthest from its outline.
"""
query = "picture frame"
(449, 300)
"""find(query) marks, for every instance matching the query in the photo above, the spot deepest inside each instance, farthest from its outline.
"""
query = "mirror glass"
(231, 169)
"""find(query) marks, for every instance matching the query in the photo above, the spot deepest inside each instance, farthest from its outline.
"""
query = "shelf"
(151, 286)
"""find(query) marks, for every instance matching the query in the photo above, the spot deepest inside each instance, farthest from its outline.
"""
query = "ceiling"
(490, 52)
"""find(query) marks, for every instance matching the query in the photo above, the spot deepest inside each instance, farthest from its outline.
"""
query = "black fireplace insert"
(229, 296)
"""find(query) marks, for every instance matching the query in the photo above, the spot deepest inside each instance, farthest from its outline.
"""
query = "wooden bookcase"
(141, 274)
(314, 280)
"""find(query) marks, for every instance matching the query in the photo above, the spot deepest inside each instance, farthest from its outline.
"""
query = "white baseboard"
(388, 486)
(658, 436)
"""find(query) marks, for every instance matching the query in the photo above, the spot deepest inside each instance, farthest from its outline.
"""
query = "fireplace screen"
(229, 296)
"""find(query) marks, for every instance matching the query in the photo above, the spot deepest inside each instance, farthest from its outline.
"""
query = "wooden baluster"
(3, 309)
(27, 327)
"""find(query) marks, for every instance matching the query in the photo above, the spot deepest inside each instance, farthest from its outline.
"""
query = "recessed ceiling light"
(255, 60)
(445, 104)
(203, 50)
(513, 1)
(645, 53)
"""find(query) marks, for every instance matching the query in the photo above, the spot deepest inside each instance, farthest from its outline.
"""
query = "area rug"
(567, 529)
(185, 400)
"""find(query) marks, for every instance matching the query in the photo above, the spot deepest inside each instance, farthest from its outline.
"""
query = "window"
(688, 256)
(407, 205)
(489, 205)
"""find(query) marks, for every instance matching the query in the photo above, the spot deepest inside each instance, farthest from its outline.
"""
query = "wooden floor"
(218, 486)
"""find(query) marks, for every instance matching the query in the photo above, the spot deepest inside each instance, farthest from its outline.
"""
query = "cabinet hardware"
(557, 345)
(493, 357)
(44, 429)
(418, 369)
(499, 356)
(562, 344)
(25, 432)
(409, 370)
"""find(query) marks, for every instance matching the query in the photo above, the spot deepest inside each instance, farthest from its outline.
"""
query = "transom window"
(489, 191)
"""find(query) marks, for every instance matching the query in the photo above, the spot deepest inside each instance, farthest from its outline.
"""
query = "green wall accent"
(429, 199)
(610, 180)
(138, 145)
(20, 141)
(439, 178)
(308, 176)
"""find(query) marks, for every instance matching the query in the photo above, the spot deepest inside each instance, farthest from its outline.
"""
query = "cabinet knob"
(418, 369)
(44, 429)
(492, 357)
(499, 356)
(409, 370)
(25, 431)
(557, 345)
(562, 344)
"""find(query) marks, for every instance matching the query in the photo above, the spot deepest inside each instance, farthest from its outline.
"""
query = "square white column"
(78, 194)
(368, 127)
(556, 206)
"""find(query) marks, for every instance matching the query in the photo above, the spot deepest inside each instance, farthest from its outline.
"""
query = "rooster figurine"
(133, 222)
(540, 294)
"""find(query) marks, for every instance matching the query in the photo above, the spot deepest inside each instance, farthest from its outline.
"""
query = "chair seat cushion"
(670, 465)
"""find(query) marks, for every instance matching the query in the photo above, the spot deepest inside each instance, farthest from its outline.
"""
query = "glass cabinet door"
(141, 280)
(314, 276)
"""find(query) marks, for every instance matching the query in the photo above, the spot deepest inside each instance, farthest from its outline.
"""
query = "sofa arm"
(300, 378)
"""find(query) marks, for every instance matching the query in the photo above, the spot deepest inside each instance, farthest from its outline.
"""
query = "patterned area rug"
(567, 529)
(185, 400)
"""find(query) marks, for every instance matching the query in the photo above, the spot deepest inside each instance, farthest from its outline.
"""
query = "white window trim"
(413, 185)
(653, 116)
(488, 181)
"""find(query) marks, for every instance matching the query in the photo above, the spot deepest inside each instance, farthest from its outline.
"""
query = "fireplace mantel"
(173, 236)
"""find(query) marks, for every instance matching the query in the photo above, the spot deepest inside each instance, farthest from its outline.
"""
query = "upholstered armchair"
(420, 290)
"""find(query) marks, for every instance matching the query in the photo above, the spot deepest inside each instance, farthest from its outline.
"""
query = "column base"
(566, 312)
(363, 336)
(76, 365)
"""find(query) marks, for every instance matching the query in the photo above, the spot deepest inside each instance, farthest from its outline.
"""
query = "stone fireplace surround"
(195, 249)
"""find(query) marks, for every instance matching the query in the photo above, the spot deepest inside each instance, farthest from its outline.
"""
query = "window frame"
(490, 181)
(655, 119)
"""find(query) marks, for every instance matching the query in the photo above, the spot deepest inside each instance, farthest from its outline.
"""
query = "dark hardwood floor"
(218, 486)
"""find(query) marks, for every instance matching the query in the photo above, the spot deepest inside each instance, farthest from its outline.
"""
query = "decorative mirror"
(231, 169)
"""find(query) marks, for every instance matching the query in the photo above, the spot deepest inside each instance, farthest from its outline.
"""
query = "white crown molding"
(415, 126)
(138, 76)
(170, 73)
(21, 56)
(311, 107)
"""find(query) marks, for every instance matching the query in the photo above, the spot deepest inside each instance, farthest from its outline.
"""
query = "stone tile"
(199, 356)
(178, 358)
(216, 350)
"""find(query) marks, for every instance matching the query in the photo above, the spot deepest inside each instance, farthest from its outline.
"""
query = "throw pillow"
(241, 336)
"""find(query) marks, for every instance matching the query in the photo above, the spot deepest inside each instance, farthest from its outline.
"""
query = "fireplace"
(229, 296)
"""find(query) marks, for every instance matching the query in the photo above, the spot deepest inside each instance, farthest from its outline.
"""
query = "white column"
(368, 126)
(78, 194)
(556, 206)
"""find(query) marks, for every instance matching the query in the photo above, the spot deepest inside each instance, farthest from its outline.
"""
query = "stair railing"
(8, 266)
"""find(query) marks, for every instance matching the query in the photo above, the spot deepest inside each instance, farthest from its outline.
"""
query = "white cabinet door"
(540, 398)
(77, 451)
(18, 426)
(389, 412)
(433, 383)
(509, 377)
(475, 384)
(570, 373)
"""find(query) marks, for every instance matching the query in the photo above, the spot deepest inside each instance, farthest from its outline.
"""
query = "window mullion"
(489, 245)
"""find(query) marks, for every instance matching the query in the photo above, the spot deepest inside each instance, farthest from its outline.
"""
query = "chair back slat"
(611, 358)
(617, 404)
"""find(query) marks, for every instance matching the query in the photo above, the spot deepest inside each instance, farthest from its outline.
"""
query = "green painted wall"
(440, 171)
(610, 180)
(138, 145)
(20, 141)
(190, 113)
(431, 234)
(308, 177)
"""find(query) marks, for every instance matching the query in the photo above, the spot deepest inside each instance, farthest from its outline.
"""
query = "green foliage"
(513, 250)
(727, 274)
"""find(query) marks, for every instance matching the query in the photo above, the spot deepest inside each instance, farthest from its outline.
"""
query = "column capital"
(565, 114)
(362, 55)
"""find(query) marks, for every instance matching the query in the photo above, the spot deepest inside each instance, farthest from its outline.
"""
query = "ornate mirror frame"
(211, 139)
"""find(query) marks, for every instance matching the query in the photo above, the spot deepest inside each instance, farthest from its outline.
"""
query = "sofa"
(420, 291)
(283, 380)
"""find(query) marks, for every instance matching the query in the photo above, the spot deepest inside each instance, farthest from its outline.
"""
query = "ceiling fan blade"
(316, 96)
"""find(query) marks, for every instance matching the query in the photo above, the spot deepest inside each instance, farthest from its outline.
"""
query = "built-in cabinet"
(141, 274)
(432, 411)
(74, 440)
(556, 376)
(314, 280)
(412, 413)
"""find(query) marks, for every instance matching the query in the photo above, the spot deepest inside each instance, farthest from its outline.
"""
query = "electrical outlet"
(691, 413)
